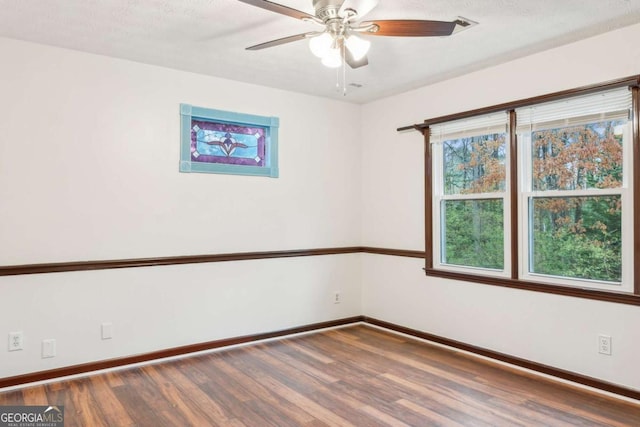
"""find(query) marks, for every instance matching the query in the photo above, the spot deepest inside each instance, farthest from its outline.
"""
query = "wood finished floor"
(354, 376)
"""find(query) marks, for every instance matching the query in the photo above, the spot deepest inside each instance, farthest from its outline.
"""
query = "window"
(216, 141)
(547, 201)
(470, 203)
(575, 191)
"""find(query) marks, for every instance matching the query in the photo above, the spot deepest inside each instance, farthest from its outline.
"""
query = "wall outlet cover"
(16, 341)
(48, 348)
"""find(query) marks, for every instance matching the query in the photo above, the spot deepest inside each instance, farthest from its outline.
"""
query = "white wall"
(89, 170)
(89, 152)
(165, 307)
(553, 330)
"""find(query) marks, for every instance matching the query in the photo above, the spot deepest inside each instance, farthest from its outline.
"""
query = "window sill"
(594, 294)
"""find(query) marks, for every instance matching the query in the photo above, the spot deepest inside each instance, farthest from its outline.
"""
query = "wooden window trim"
(514, 282)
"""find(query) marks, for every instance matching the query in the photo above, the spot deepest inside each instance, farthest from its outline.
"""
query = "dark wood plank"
(195, 414)
(262, 394)
(34, 396)
(11, 398)
(83, 406)
(353, 376)
(114, 413)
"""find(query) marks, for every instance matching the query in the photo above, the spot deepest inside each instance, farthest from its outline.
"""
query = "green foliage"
(584, 245)
(474, 233)
(578, 237)
(572, 236)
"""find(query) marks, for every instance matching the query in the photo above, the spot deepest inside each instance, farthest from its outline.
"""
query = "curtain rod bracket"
(420, 127)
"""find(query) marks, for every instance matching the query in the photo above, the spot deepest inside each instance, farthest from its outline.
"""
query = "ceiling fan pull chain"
(344, 72)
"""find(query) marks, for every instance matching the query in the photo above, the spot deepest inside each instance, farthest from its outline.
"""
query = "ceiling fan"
(338, 41)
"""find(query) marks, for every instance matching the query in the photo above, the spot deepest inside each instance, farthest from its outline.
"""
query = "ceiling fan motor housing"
(326, 10)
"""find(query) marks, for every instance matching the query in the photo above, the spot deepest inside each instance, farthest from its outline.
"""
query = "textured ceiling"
(209, 37)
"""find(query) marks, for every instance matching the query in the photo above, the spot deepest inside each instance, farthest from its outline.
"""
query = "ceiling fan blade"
(278, 8)
(361, 6)
(411, 28)
(283, 40)
(348, 57)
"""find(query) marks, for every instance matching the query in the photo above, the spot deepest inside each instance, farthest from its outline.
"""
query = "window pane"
(475, 164)
(473, 233)
(578, 157)
(577, 237)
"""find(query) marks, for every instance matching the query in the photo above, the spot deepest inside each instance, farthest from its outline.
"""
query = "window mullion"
(513, 194)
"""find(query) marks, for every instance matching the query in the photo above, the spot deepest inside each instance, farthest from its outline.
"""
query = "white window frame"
(526, 194)
(585, 106)
(439, 198)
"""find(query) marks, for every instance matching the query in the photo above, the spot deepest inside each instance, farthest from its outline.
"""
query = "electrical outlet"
(336, 297)
(604, 344)
(48, 348)
(16, 341)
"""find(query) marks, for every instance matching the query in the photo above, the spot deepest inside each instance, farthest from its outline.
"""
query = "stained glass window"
(215, 141)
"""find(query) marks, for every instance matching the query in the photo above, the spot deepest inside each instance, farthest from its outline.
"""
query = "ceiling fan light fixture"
(337, 44)
(321, 45)
(332, 58)
(357, 46)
